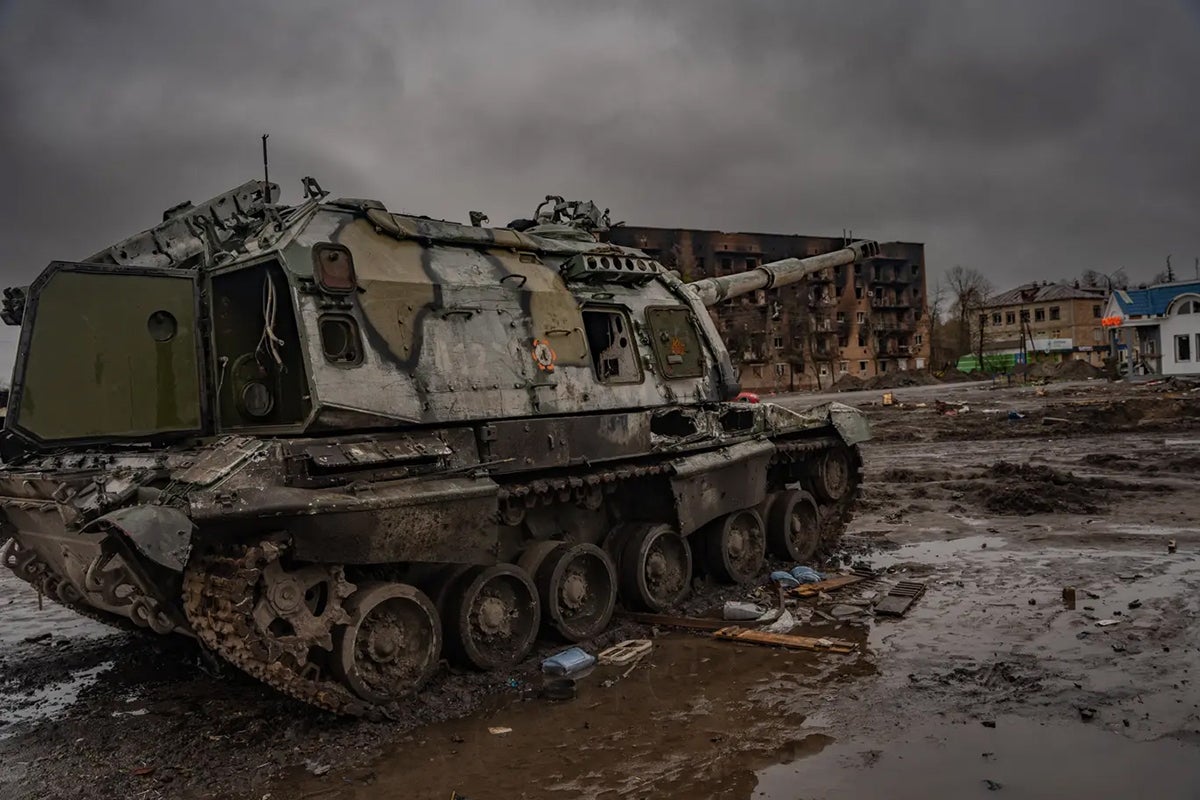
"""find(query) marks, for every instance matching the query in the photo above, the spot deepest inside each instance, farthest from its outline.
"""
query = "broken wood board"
(828, 585)
(898, 599)
(694, 623)
(737, 634)
(624, 652)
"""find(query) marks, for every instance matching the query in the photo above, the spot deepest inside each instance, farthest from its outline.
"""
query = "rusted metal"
(900, 598)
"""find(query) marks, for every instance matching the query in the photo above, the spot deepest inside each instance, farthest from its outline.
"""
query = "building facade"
(1045, 321)
(1158, 328)
(861, 320)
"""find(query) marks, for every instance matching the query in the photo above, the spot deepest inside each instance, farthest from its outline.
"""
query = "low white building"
(1158, 327)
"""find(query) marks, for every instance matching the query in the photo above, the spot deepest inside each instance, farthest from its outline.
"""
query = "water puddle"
(47, 702)
(1020, 758)
(23, 618)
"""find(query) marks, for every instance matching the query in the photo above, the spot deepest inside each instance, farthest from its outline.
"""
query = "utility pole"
(982, 322)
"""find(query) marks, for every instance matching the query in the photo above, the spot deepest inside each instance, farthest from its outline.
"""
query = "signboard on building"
(1046, 345)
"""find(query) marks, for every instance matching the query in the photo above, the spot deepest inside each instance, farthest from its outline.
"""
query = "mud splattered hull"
(346, 588)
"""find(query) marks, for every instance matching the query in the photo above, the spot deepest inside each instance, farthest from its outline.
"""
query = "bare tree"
(1095, 279)
(933, 317)
(969, 291)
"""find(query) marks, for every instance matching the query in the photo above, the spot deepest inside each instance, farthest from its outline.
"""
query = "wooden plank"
(694, 623)
(812, 589)
(738, 634)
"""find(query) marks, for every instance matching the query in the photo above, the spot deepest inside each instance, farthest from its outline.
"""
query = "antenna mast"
(266, 172)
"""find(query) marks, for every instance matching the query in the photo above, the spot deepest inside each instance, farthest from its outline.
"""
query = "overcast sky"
(1026, 139)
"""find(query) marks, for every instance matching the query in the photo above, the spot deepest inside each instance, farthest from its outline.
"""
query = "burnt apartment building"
(861, 320)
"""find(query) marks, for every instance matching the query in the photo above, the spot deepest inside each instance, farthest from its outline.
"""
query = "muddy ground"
(990, 683)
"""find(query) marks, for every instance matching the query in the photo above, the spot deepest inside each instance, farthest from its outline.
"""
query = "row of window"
(843, 341)
(1039, 315)
(752, 262)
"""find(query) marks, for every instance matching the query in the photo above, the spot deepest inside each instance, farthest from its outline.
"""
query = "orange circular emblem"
(543, 355)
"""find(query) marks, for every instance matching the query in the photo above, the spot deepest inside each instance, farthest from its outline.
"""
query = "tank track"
(46, 584)
(218, 599)
(220, 586)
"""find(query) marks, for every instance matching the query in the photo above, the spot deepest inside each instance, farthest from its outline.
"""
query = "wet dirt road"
(991, 683)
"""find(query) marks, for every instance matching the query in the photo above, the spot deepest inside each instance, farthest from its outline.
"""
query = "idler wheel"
(492, 616)
(793, 526)
(392, 644)
(735, 546)
(831, 478)
(655, 566)
(577, 584)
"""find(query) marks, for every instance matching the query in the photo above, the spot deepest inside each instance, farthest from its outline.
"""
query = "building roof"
(1041, 292)
(1152, 301)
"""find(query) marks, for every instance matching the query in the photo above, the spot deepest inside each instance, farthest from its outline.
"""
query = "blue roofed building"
(1158, 327)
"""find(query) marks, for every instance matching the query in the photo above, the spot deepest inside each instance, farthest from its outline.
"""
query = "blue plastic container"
(571, 661)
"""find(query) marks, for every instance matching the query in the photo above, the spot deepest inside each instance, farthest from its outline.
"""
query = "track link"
(219, 590)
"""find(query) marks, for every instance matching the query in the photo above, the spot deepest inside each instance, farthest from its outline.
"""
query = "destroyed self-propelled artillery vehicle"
(336, 444)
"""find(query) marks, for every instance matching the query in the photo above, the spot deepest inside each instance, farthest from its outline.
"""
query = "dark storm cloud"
(1027, 139)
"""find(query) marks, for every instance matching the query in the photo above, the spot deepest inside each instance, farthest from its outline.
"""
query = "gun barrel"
(778, 273)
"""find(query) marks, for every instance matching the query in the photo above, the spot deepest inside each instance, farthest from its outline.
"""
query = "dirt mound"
(1076, 370)
(1114, 461)
(1038, 369)
(956, 375)
(900, 379)
(1023, 489)
(847, 383)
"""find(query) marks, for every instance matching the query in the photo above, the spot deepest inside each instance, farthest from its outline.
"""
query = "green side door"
(108, 352)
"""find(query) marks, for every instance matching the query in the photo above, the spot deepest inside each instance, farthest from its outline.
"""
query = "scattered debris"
(41, 637)
(317, 769)
(1135, 603)
(889, 399)
(632, 667)
(624, 652)
(950, 409)
(498, 730)
(1104, 623)
(738, 634)
(992, 786)
(1068, 595)
(1087, 714)
(557, 689)
(143, 771)
(898, 599)
(844, 611)
(1170, 545)
(694, 623)
(828, 585)
(798, 575)
(782, 624)
(988, 723)
(571, 661)
(741, 610)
